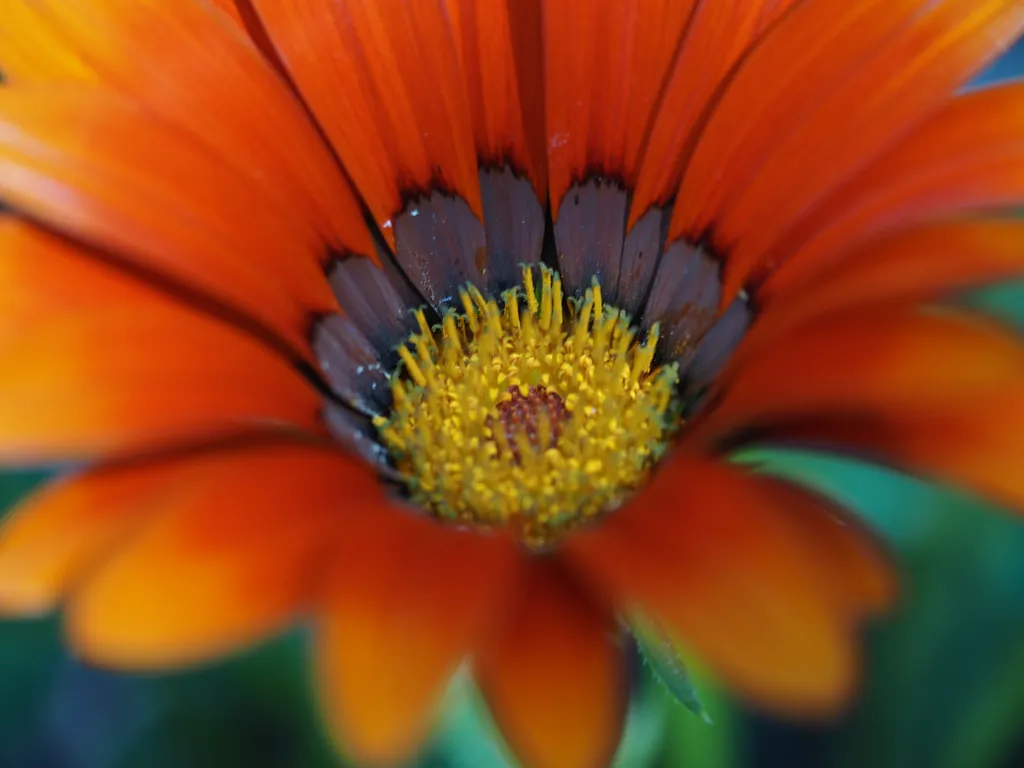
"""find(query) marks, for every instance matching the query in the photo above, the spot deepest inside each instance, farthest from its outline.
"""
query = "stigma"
(529, 411)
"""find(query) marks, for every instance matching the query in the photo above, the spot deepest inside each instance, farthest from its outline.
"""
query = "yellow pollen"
(535, 412)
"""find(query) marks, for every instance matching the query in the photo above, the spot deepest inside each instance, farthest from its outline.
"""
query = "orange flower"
(263, 288)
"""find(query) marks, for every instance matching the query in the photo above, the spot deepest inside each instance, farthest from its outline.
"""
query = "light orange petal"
(385, 81)
(714, 559)
(497, 89)
(555, 676)
(901, 81)
(110, 173)
(125, 378)
(235, 554)
(409, 599)
(31, 50)
(870, 360)
(716, 36)
(919, 264)
(604, 65)
(199, 73)
(969, 157)
(50, 540)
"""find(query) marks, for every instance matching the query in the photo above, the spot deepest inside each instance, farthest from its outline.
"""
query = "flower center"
(523, 415)
(532, 411)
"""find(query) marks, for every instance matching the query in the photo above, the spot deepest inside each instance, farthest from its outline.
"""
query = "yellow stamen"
(537, 414)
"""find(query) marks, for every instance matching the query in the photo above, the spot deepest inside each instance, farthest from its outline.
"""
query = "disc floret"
(529, 410)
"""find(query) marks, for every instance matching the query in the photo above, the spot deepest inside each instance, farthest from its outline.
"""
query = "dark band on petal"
(639, 259)
(356, 433)
(713, 351)
(351, 365)
(514, 226)
(684, 298)
(440, 245)
(589, 233)
(377, 300)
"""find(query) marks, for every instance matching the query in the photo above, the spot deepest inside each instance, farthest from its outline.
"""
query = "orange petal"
(717, 560)
(902, 80)
(94, 165)
(554, 677)
(776, 86)
(235, 554)
(409, 600)
(909, 266)
(873, 359)
(526, 28)
(967, 158)
(230, 7)
(198, 73)
(975, 445)
(717, 35)
(246, 17)
(385, 81)
(44, 278)
(604, 65)
(485, 43)
(126, 378)
(850, 557)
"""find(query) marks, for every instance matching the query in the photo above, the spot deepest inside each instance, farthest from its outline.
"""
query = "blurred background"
(943, 687)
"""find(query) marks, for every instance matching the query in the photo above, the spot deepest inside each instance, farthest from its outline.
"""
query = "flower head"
(436, 324)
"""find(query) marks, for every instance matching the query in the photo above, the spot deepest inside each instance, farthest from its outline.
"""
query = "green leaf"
(666, 662)
(15, 484)
(690, 741)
